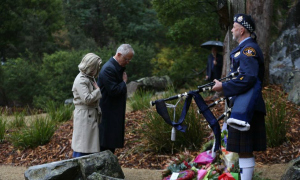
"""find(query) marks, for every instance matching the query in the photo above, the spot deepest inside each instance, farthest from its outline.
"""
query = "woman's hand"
(95, 85)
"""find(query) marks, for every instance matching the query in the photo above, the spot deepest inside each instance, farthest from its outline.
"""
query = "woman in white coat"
(87, 113)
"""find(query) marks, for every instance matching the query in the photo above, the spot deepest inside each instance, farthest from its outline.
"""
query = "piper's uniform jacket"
(86, 115)
(248, 59)
(113, 104)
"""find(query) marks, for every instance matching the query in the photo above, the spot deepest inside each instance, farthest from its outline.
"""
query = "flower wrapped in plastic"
(201, 174)
(183, 175)
(204, 158)
(230, 158)
(208, 172)
(226, 176)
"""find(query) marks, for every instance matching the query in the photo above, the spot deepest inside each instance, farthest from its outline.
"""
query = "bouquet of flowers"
(211, 173)
(204, 158)
(205, 166)
(180, 163)
(183, 175)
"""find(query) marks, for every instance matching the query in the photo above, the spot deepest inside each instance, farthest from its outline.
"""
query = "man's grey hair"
(125, 49)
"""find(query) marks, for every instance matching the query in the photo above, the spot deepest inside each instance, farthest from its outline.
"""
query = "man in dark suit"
(214, 65)
(112, 82)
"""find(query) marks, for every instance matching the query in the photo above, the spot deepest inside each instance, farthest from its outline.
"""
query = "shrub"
(57, 75)
(140, 100)
(140, 65)
(277, 120)
(174, 61)
(59, 112)
(2, 128)
(20, 80)
(38, 133)
(158, 133)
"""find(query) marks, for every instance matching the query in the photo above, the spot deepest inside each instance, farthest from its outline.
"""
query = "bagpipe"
(204, 109)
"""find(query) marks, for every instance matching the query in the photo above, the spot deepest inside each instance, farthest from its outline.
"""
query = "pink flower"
(201, 174)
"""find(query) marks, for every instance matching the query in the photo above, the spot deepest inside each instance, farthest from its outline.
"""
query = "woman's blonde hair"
(89, 63)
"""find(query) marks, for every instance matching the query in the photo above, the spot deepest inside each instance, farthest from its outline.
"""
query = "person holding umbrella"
(214, 65)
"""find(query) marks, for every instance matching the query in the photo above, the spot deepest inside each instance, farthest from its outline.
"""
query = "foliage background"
(42, 42)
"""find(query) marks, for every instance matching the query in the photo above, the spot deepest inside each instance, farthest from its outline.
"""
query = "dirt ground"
(272, 172)
(17, 173)
(267, 171)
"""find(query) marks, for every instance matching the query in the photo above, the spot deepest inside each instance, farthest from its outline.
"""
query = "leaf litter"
(131, 156)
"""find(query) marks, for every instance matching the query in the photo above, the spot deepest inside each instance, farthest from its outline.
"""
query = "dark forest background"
(42, 42)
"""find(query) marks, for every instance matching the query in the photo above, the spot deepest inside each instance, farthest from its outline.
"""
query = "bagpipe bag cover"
(243, 108)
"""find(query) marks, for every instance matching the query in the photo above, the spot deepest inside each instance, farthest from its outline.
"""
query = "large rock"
(153, 83)
(293, 170)
(285, 57)
(69, 101)
(132, 87)
(98, 166)
(294, 93)
(97, 176)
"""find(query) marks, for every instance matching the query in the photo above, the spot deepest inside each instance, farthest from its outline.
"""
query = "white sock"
(246, 168)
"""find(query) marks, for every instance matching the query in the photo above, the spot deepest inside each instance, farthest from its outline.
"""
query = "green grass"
(59, 112)
(38, 133)
(18, 121)
(140, 100)
(157, 133)
(2, 128)
(39, 129)
(277, 119)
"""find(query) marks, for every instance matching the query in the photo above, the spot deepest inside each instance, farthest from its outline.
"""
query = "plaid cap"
(246, 21)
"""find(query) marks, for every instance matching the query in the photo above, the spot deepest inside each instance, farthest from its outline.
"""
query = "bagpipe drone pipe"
(203, 109)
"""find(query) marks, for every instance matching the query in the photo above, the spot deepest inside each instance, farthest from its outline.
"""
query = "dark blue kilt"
(248, 141)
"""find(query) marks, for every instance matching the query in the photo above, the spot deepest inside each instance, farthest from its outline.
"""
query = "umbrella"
(210, 44)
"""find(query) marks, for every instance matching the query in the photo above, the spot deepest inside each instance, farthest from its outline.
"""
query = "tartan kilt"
(248, 141)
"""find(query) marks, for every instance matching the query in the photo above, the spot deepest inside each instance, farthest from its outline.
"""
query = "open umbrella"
(210, 44)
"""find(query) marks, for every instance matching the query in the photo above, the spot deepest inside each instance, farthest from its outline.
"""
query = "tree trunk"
(261, 12)
(234, 7)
